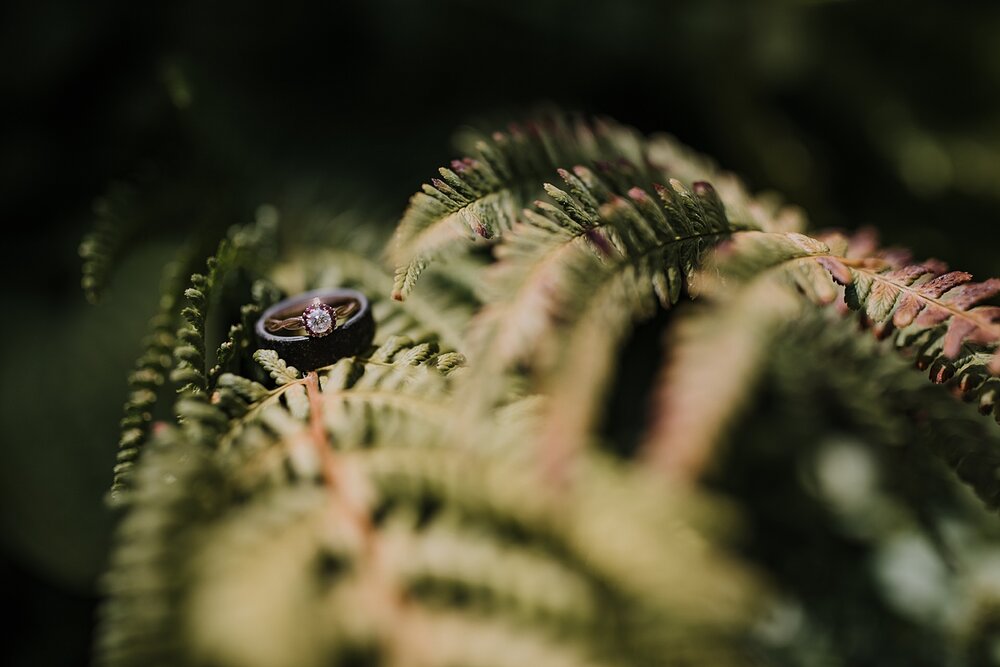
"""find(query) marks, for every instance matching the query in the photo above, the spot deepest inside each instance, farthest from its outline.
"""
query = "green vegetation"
(470, 492)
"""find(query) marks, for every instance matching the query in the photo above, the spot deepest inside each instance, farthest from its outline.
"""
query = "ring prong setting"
(319, 319)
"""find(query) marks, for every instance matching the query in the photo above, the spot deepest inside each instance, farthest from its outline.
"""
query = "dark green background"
(863, 112)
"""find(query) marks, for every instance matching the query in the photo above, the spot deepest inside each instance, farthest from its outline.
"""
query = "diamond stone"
(318, 320)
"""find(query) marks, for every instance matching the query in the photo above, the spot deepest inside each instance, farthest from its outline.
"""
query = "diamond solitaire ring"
(317, 328)
(317, 319)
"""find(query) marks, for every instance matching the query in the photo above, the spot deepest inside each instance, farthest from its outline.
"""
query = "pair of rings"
(317, 328)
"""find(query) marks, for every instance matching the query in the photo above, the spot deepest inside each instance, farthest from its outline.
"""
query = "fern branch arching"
(146, 381)
(572, 280)
(179, 354)
(243, 246)
(714, 356)
(760, 269)
(920, 296)
(480, 197)
(558, 246)
(928, 311)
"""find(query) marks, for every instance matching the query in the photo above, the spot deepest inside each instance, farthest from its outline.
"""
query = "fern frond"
(919, 297)
(278, 542)
(748, 296)
(319, 604)
(621, 558)
(714, 357)
(243, 246)
(758, 269)
(190, 353)
(116, 214)
(448, 563)
(227, 356)
(932, 313)
(391, 507)
(145, 383)
(178, 490)
(179, 354)
(398, 392)
(656, 269)
(282, 560)
(549, 266)
(547, 569)
(480, 197)
(572, 280)
(643, 558)
(885, 397)
(276, 367)
(766, 211)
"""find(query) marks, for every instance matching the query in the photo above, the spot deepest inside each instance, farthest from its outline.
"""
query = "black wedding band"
(309, 352)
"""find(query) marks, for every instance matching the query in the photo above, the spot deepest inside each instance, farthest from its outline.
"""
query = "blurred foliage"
(864, 113)
(440, 497)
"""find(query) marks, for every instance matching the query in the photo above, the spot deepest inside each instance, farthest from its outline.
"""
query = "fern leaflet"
(480, 197)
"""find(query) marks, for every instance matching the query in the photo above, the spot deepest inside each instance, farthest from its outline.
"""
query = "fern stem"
(321, 442)
(336, 474)
(348, 489)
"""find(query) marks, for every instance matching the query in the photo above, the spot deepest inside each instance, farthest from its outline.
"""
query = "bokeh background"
(864, 113)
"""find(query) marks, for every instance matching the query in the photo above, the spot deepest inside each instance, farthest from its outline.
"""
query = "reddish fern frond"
(935, 315)
(938, 314)
(918, 296)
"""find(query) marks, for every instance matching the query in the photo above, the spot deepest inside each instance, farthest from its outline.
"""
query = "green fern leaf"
(117, 214)
(276, 367)
(480, 197)
(881, 392)
(571, 281)
(307, 553)
(592, 239)
(747, 298)
(179, 354)
(177, 488)
(145, 384)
